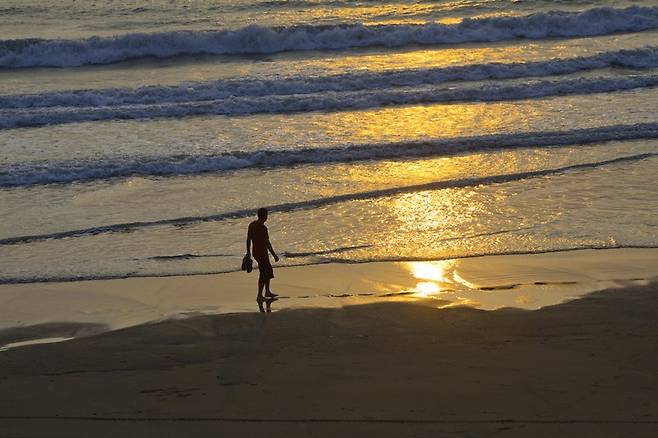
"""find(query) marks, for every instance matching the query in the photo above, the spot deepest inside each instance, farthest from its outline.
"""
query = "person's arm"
(249, 242)
(269, 247)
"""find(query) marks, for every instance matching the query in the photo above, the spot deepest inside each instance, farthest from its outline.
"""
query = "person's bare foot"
(271, 295)
(260, 298)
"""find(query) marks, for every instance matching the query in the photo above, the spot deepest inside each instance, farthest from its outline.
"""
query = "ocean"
(138, 138)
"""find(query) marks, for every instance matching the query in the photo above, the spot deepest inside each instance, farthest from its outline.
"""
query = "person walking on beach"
(258, 237)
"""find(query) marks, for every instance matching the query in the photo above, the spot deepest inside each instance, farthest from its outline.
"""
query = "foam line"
(327, 101)
(62, 278)
(642, 58)
(322, 202)
(30, 174)
(256, 39)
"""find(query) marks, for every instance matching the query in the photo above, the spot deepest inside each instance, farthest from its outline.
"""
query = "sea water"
(137, 138)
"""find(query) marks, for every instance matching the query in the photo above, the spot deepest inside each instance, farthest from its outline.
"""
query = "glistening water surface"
(138, 138)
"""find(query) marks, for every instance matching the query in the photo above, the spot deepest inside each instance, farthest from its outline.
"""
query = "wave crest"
(642, 58)
(257, 39)
(326, 101)
(30, 174)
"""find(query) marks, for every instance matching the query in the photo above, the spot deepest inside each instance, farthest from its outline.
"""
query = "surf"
(331, 200)
(327, 101)
(65, 172)
(255, 39)
(641, 58)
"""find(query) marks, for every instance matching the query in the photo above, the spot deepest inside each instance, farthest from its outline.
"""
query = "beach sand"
(34, 311)
(398, 367)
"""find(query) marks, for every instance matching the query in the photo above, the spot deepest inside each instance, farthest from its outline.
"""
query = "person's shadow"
(268, 304)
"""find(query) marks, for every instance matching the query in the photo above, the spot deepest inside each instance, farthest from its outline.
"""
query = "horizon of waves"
(24, 53)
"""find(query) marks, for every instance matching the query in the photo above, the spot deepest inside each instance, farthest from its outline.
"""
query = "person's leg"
(260, 289)
(268, 293)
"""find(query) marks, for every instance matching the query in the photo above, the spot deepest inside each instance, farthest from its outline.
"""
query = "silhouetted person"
(258, 237)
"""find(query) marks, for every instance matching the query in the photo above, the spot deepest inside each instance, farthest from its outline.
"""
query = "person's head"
(262, 214)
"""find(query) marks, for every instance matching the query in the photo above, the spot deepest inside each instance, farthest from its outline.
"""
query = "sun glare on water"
(434, 276)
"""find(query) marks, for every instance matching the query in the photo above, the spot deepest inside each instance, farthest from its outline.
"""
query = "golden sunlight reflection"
(459, 279)
(434, 276)
(461, 302)
(429, 270)
(416, 122)
(393, 13)
(420, 57)
(430, 221)
(426, 288)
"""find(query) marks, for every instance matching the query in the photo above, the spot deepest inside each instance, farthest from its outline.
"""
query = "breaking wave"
(325, 101)
(29, 174)
(204, 91)
(257, 39)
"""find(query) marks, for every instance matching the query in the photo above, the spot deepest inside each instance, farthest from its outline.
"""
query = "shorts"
(265, 268)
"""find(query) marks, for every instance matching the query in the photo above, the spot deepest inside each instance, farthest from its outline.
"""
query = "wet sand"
(29, 312)
(394, 369)
(417, 367)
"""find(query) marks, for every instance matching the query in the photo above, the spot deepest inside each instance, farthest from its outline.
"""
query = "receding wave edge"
(321, 202)
(63, 279)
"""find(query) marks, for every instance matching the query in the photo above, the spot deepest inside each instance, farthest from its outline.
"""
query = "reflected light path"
(433, 276)
(437, 278)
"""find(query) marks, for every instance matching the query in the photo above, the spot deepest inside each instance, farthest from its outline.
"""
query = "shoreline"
(83, 308)
(326, 261)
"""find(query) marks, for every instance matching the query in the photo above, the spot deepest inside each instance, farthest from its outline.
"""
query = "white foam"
(7, 347)
(203, 91)
(257, 39)
(325, 101)
(81, 170)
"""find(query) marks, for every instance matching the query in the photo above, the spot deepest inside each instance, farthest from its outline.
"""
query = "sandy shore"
(394, 367)
(52, 311)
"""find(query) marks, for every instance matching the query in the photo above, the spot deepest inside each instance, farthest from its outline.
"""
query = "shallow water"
(147, 154)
